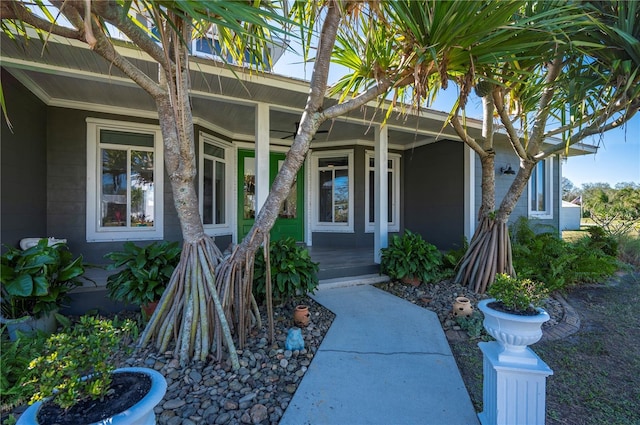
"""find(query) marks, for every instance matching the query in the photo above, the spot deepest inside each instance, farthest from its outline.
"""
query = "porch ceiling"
(67, 74)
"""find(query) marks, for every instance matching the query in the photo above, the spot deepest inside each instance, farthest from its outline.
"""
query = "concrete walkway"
(383, 361)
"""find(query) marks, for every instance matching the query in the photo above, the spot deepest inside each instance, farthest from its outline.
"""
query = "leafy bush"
(145, 271)
(292, 271)
(14, 361)
(629, 250)
(81, 351)
(600, 239)
(452, 258)
(36, 281)
(411, 256)
(546, 258)
(517, 294)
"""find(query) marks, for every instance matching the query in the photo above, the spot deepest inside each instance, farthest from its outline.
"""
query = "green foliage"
(452, 258)
(36, 281)
(629, 250)
(144, 271)
(14, 361)
(517, 294)
(603, 241)
(74, 364)
(472, 325)
(411, 256)
(292, 271)
(546, 258)
(616, 210)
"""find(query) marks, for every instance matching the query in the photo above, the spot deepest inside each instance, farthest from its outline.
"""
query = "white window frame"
(95, 233)
(229, 175)
(392, 226)
(548, 191)
(316, 225)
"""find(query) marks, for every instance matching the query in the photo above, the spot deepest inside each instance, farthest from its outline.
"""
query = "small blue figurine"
(294, 340)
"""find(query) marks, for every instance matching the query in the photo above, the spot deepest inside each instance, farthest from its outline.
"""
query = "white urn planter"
(140, 413)
(513, 332)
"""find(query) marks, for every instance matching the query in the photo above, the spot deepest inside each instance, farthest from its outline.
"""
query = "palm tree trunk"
(490, 251)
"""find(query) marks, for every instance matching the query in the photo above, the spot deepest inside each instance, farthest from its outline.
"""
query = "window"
(393, 195)
(333, 197)
(214, 179)
(124, 181)
(540, 190)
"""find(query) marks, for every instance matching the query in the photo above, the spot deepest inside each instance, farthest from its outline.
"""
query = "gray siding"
(505, 156)
(434, 193)
(23, 160)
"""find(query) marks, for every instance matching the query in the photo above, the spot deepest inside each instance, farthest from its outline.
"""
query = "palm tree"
(585, 85)
(539, 60)
(241, 27)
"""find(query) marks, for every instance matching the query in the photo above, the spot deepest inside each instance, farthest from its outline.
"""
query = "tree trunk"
(490, 251)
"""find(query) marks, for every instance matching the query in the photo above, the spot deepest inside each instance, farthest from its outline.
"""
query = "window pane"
(207, 192)
(333, 162)
(220, 193)
(341, 196)
(325, 214)
(113, 199)
(142, 201)
(540, 184)
(213, 150)
(372, 197)
(390, 197)
(125, 138)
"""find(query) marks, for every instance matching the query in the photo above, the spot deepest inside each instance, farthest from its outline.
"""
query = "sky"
(617, 159)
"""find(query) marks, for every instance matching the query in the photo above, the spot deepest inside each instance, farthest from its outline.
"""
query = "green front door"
(290, 221)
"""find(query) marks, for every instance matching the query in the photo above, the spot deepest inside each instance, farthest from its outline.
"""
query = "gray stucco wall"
(434, 192)
(23, 165)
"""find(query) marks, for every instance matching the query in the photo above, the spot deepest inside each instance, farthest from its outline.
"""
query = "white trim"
(316, 225)
(93, 232)
(548, 192)
(230, 177)
(396, 161)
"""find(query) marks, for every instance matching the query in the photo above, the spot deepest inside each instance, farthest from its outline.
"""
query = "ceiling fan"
(292, 135)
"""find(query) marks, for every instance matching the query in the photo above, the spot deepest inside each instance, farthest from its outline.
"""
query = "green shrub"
(292, 271)
(629, 250)
(600, 239)
(144, 271)
(452, 258)
(545, 257)
(15, 388)
(411, 256)
(80, 351)
(517, 294)
(36, 281)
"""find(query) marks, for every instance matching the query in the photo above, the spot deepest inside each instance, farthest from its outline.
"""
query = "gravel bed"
(259, 393)
(440, 296)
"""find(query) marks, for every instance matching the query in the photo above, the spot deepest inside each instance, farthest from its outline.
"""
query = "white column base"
(513, 393)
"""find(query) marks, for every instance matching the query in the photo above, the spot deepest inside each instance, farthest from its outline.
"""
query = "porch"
(340, 262)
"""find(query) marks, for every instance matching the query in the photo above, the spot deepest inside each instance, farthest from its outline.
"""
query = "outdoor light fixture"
(507, 170)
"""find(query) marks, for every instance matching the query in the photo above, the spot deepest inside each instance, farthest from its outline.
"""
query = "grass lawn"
(596, 377)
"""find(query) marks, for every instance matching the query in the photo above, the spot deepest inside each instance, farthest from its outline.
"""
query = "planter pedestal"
(513, 392)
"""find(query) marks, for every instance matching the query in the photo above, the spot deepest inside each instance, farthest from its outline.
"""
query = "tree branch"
(462, 133)
(15, 10)
(514, 139)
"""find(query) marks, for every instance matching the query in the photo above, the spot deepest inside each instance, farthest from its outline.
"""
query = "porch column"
(381, 189)
(262, 154)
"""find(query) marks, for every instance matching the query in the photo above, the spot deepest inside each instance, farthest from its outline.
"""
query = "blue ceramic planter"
(140, 413)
